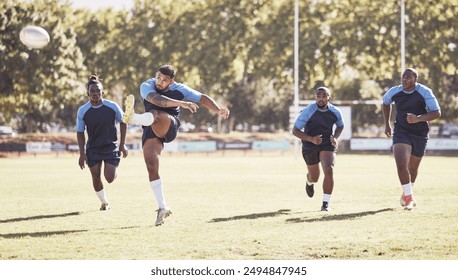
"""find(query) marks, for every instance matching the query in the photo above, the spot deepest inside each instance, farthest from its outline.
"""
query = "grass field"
(227, 207)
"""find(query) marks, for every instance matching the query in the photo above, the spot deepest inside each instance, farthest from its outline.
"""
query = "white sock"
(326, 197)
(156, 186)
(102, 197)
(145, 119)
(407, 189)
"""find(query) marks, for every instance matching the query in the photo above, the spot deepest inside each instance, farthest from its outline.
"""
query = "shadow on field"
(38, 234)
(339, 217)
(252, 216)
(39, 217)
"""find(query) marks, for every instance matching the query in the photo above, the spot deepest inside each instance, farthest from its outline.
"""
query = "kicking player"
(162, 98)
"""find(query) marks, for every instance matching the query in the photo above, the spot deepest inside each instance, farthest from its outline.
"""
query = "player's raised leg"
(131, 117)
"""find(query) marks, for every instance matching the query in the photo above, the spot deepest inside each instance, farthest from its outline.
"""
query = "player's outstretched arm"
(164, 101)
(211, 105)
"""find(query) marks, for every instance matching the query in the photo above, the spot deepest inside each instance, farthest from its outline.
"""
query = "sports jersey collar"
(414, 89)
(98, 106)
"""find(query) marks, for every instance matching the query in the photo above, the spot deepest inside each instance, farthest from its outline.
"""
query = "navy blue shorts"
(171, 133)
(312, 155)
(95, 157)
(418, 143)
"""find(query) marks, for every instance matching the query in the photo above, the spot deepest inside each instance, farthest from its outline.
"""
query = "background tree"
(38, 87)
(237, 51)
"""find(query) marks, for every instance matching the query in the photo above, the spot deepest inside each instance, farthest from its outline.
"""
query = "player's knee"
(110, 178)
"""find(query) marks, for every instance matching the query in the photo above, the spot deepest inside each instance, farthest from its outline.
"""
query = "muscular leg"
(109, 172)
(152, 147)
(161, 123)
(414, 163)
(313, 173)
(327, 159)
(96, 176)
(96, 171)
(151, 152)
(402, 155)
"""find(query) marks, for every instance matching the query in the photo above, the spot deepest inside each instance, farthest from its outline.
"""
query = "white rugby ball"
(34, 37)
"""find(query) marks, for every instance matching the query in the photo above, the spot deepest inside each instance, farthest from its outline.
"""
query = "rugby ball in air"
(34, 37)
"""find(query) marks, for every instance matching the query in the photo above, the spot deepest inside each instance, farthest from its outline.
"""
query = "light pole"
(403, 45)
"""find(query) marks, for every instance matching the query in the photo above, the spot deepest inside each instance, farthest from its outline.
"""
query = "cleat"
(105, 207)
(410, 203)
(309, 190)
(402, 200)
(129, 112)
(325, 206)
(162, 213)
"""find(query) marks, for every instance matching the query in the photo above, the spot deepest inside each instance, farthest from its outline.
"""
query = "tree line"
(240, 52)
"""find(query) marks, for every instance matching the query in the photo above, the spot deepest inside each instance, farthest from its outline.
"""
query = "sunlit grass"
(227, 207)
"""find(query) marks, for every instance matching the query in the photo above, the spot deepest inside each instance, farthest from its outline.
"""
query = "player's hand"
(223, 112)
(333, 141)
(190, 106)
(388, 131)
(82, 161)
(412, 118)
(317, 139)
(123, 150)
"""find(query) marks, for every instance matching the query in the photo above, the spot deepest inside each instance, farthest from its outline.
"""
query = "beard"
(321, 105)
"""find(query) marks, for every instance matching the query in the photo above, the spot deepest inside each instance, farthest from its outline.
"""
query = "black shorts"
(171, 133)
(418, 143)
(95, 157)
(312, 155)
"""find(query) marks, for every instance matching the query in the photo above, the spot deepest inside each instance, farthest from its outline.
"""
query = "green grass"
(231, 207)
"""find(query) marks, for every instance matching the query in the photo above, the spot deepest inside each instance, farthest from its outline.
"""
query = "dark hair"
(168, 70)
(325, 89)
(413, 70)
(94, 80)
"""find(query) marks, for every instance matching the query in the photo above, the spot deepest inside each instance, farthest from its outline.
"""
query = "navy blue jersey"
(418, 101)
(100, 123)
(176, 91)
(314, 121)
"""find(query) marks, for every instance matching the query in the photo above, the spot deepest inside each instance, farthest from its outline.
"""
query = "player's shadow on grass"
(252, 216)
(39, 217)
(39, 234)
(339, 217)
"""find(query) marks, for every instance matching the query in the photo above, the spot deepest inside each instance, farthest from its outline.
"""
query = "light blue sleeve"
(430, 99)
(387, 97)
(80, 124)
(304, 116)
(188, 93)
(147, 86)
(338, 113)
(116, 108)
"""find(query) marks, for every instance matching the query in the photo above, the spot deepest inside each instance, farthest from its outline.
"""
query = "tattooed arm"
(166, 102)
